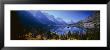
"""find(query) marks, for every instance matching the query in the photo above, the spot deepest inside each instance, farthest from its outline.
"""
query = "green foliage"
(91, 34)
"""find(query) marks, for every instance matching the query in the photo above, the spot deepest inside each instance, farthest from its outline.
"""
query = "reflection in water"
(66, 29)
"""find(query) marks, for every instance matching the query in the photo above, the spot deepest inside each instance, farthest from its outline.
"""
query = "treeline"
(91, 34)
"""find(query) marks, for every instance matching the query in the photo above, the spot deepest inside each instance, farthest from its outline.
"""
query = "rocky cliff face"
(92, 21)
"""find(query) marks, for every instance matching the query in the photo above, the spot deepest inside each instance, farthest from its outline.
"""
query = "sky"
(68, 15)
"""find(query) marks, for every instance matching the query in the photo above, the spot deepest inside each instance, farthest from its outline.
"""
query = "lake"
(65, 29)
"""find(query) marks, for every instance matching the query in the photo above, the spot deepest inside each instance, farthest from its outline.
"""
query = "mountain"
(55, 20)
(39, 19)
(72, 22)
(92, 21)
(43, 18)
(61, 21)
(51, 17)
(28, 20)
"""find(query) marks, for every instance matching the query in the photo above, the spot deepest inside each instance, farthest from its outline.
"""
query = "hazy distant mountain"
(61, 21)
(51, 17)
(55, 20)
(72, 22)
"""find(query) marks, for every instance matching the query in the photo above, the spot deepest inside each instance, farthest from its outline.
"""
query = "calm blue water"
(66, 29)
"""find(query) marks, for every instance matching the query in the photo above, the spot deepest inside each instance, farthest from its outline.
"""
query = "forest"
(46, 27)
